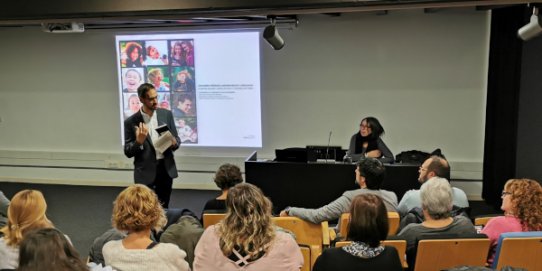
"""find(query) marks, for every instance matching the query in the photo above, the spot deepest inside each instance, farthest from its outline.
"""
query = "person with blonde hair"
(246, 239)
(137, 211)
(522, 206)
(26, 212)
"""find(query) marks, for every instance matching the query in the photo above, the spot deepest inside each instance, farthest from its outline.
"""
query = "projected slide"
(209, 81)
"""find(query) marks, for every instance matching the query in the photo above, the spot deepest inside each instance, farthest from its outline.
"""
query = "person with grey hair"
(436, 201)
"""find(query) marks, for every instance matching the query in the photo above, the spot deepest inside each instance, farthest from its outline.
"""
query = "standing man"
(151, 167)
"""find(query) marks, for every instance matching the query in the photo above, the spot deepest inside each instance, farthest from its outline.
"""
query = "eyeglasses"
(364, 126)
(504, 193)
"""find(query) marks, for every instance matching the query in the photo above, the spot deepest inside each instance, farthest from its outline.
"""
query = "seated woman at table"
(521, 203)
(368, 227)
(368, 142)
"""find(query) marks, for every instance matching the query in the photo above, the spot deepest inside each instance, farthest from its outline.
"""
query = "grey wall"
(423, 75)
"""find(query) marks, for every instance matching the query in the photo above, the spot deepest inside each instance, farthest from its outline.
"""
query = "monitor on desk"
(291, 155)
(333, 153)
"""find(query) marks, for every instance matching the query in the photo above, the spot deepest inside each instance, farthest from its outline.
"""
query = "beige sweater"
(163, 257)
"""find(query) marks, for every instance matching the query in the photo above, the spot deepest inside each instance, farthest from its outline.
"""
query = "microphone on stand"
(327, 148)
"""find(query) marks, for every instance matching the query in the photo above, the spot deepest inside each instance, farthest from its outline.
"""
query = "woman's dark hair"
(227, 176)
(368, 220)
(48, 249)
(376, 128)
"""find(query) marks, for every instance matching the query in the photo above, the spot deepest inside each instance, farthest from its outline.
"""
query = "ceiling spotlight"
(271, 35)
(532, 29)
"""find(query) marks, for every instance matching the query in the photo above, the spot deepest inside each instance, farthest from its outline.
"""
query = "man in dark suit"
(151, 167)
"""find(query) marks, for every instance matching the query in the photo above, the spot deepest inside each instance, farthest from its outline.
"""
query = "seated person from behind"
(521, 203)
(226, 177)
(368, 227)
(369, 175)
(436, 199)
(434, 166)
(49, 249)
(137, 211)
(4, 204)
(246, 238)
(368, 142)
(25, 213)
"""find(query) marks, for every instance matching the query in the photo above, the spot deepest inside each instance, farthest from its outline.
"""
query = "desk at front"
(313, 185)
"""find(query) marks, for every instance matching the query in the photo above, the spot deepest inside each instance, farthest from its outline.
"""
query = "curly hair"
(526, 198)
(227, 176)
(247, 226)
(26, 212)
(137, 208)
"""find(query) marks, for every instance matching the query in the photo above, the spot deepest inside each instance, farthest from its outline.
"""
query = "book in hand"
(162, 128)
(164, 141)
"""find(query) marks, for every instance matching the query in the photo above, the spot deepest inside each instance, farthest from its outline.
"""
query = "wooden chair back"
(400, 245)
(211, 219)
(438, 254)
(309, 235)
(393, 220)
(521, 252)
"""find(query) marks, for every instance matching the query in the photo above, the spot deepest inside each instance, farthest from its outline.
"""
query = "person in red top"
(522, 206)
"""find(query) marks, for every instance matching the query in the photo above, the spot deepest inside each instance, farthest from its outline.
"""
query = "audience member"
(368, 227)
(4, 204)
(48, 249)
(246, 239)
(434, 166)
(522, 206)
(26, 212)
(368, 142)
(95, 254)
(369, 175)
(436, 203)
(226, 177)
(137, 211)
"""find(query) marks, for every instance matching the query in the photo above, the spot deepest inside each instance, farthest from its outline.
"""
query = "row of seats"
(519, 249)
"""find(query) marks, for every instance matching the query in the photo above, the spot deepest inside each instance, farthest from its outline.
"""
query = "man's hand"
(141, 133)
(283, 213)
(174, 143)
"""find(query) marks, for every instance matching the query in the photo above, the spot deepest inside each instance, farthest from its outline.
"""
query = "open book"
(165, 140)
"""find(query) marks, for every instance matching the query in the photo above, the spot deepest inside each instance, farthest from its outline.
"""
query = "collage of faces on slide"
(169, 66)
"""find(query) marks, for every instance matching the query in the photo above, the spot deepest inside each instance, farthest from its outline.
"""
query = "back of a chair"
(482, 221)
(438, 254)
(400, 245)
(314, 236)
(519, 249)
(393, 220)
(211, 219)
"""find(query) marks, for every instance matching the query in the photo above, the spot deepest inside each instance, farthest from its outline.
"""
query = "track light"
(271, 35)
(533, 28)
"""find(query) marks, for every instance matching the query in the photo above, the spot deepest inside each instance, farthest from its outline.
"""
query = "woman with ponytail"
(26, 212)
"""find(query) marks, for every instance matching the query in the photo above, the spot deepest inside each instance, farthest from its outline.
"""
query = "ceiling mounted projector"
(532, 29)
